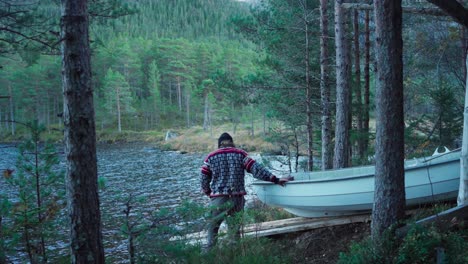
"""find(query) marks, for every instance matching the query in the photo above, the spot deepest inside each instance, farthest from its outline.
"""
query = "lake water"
(164, 178)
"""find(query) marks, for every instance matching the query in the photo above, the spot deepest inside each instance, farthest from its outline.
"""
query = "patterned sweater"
(223, 172)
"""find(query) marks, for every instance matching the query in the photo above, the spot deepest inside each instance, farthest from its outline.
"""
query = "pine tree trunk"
(327, 150)
(47, 112)
(252, 116)
(310, 132)
(119, 116)
(12, 111)
(179, 94)
(7, 124)
(80, 136)
(357, 73)
(463, 190)
(206, 113)
(187, 107)
(365, 121)
(463, 35)
(342, 88)
(389, 196)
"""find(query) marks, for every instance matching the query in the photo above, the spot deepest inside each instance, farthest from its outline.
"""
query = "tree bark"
(187, 107)
(365, 121)
(357, 74)
(206, 112)
(179, 94)
(12, 111)
(327, 151)
(389, 196)
(463, 190)
(342, 89)
(310, 134)
(80, 135)
(119, 113)
(464, 39)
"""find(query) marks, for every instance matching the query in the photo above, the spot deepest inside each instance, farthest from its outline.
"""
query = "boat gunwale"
(422, 165)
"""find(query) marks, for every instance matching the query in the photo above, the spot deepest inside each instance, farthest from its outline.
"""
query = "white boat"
(350, 191)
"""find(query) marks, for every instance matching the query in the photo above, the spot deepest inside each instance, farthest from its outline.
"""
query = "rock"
(170, 135)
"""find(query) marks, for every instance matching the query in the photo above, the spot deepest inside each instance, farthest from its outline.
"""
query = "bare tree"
(389, 196)
(80, 135)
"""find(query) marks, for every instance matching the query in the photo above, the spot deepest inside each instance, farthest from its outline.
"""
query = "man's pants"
(223, 207)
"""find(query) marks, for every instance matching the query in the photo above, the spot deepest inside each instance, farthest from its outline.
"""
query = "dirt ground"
(323, 245)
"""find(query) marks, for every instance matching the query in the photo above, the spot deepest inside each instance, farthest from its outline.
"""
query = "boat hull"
(351, 191)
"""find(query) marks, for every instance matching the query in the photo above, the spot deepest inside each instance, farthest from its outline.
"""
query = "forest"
(311, 77)
(164, 65)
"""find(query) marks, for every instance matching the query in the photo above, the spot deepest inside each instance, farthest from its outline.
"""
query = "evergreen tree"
(118, 96)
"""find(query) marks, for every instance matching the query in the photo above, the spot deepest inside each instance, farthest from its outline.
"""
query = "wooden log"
(4, 96)
(312, 224)
(279, 227)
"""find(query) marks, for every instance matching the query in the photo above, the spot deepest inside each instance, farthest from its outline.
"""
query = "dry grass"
(196, 139)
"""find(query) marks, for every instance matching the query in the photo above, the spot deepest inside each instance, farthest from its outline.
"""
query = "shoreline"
(191, 140)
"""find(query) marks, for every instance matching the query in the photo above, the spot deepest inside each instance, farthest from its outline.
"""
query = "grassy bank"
(193, 139)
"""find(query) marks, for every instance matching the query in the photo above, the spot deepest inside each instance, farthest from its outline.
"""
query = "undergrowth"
(421, 244)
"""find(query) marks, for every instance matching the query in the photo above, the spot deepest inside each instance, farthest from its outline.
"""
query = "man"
(222, 179)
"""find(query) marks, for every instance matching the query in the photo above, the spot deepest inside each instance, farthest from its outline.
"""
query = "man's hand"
(283, 181)
(207, 192)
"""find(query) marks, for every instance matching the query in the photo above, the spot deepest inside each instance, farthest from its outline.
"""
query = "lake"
(164, 178)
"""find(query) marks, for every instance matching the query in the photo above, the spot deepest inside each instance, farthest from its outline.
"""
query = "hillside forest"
(161, 65)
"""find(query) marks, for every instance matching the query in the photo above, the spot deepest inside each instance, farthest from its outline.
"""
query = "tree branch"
(407, 9)
(454, 9)
(33, 38)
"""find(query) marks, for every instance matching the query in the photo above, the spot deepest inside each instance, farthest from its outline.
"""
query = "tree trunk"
(235, 119)
(3, 259)
(365, 121)
(206, 113)
(47, 111)
(7, 124)
(179, 94)
(41, 247)
(119, 115)
(12, 111)
(80, 136)
(342, 89)
(357, 73)
(389, 196)
(310, 132)
(463, 36)
(252, 110)
(463, 190)
(327, 150)
(187, 106)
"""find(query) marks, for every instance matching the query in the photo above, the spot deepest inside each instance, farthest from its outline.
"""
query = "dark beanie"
(225, 137)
